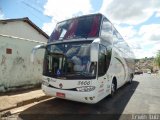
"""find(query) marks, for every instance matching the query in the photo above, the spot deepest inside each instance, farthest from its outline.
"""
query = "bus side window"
(102, 61)
(108, 56)
(106, 30)
(104, 58)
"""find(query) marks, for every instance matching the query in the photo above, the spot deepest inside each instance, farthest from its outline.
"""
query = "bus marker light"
(61, 95)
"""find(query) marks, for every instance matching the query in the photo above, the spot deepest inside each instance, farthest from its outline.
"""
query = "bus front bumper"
(85, 97)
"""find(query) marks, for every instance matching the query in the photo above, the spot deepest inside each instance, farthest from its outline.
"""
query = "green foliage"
(157, 59)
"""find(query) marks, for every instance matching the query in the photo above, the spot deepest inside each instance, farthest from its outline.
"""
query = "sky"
(138, 21)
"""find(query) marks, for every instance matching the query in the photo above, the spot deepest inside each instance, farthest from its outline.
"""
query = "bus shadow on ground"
(59, 109)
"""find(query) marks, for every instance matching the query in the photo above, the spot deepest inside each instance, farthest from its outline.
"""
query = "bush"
(157, 59)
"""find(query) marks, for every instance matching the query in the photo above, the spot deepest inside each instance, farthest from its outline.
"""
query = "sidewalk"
(10, 101)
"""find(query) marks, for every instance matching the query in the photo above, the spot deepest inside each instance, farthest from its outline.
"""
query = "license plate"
(61, 95)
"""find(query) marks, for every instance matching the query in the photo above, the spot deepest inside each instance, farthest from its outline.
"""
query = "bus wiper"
(82, 36)
(57, 53)
(75, 37)
(84, 73)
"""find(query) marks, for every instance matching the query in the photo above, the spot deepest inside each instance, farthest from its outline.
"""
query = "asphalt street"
(140, 97)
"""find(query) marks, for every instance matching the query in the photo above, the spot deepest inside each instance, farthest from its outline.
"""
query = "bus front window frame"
(80, 68)
(82, 27)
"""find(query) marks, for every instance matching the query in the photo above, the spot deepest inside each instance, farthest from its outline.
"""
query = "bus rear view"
(77, 61)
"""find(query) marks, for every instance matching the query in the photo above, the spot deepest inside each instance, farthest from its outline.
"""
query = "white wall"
(16, 69)
(21, 29)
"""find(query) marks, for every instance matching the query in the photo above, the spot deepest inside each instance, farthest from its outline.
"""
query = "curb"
(25, 102)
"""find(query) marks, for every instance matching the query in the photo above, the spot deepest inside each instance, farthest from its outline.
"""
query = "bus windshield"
(69, 61)
(82, 27)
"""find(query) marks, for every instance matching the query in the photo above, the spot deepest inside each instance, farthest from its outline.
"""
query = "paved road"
(141, 97)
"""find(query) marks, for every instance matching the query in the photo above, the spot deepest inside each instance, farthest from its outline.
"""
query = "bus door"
(102, 71)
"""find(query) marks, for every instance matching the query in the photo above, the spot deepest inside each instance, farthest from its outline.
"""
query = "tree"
(157, 59)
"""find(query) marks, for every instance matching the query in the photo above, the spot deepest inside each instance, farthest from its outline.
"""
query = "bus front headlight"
(85, 88)
(45, 83)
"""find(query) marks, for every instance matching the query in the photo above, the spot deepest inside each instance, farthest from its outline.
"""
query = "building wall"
(16, 69)
(21, 29)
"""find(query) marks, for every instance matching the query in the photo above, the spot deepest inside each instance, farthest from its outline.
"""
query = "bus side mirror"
(35, 49)
(94, 52)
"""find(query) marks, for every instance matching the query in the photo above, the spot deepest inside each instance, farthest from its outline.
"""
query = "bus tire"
(113, 87)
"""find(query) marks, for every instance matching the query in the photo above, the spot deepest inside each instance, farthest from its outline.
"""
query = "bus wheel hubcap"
(113, 88)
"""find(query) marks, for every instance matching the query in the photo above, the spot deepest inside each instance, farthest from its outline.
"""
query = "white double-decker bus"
(85, 60)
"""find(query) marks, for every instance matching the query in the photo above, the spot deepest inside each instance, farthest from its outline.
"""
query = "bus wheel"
(113, 88)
